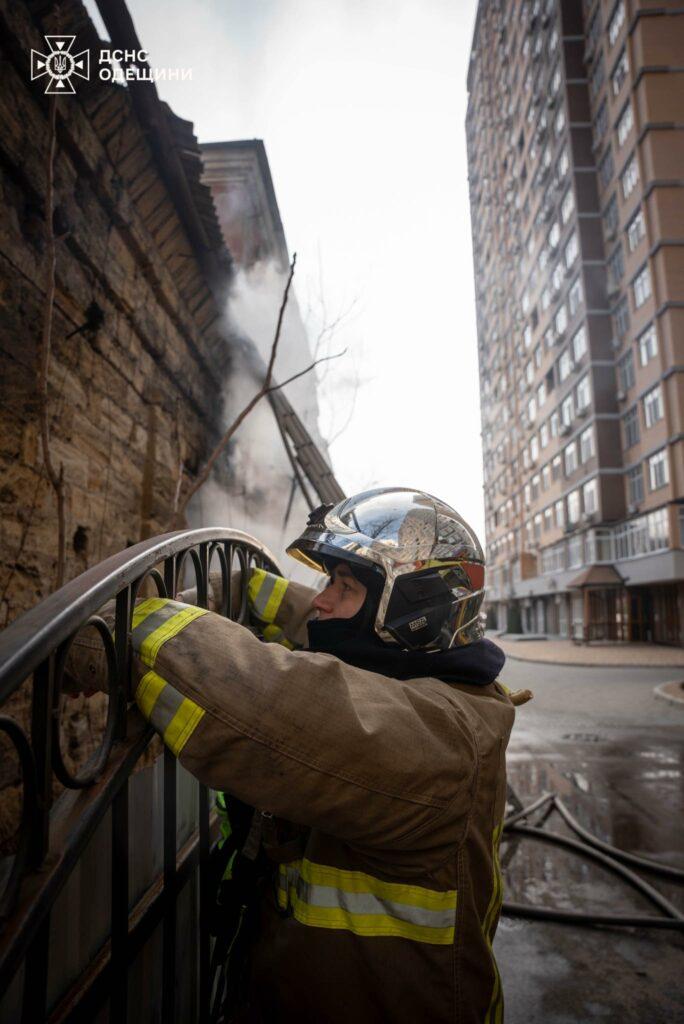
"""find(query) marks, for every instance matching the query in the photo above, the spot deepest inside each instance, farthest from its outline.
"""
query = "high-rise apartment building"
(575, 131)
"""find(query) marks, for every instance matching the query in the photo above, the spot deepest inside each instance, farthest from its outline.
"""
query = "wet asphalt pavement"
(614, 753)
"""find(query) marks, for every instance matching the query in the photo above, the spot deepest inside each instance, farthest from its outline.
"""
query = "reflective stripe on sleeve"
(495, 1011)
(275, 635)
(174, 716)
(265, 592)
(326, 897)
(157, 620)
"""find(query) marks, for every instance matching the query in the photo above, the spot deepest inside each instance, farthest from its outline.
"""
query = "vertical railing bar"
(203, 581)
(41, 742)
(34, 1002)
(170, 576)
(228, 550)
(204, 906)
(169, 928)
(119, 911)
(122, 625)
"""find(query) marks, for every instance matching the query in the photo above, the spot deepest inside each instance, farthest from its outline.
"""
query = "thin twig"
(56, 478)
(308, 369)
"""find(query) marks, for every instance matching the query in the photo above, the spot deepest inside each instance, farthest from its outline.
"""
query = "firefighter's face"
(343, 596)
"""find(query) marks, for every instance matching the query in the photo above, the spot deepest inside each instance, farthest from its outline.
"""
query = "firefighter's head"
(419, 559)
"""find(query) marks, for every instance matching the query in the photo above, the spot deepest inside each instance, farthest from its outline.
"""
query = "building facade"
(575, 133)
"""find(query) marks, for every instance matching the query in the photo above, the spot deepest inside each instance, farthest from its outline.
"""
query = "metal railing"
(53, 837)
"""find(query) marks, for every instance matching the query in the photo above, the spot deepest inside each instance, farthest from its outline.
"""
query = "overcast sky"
(361, 105)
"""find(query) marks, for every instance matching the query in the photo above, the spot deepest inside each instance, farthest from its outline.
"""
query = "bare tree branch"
(55, 477)
(308, 369)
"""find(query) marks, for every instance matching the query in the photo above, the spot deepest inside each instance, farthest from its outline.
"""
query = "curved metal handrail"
(36, 645)
(23, 642)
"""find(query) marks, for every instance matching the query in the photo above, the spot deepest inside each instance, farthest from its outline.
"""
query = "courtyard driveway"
(600, 738)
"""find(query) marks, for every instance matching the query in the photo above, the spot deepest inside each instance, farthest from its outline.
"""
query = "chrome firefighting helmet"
(430, 559)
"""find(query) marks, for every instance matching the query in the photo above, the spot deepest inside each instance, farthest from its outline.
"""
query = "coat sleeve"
(372, 760)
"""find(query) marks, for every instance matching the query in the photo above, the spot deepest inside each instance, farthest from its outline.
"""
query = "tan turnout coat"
(389, 912)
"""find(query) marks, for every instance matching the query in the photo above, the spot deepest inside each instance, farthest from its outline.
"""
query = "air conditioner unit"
(569, 528)
(583, 411)
(560, 334)
(615, 343)
(632, 508)
(620, 395)
(610, 232)
(565, 429)
(589, 517)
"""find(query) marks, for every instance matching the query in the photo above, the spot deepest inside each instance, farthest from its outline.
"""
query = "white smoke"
(261, 488)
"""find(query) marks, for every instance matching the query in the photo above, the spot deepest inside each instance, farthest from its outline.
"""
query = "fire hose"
(612, 858)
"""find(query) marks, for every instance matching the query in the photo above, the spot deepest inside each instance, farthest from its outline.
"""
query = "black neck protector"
(355, 642)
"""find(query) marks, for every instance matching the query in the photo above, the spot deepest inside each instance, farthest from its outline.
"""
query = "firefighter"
(370, 737)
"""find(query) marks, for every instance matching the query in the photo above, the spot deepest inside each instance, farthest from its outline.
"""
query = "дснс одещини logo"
(59, 65)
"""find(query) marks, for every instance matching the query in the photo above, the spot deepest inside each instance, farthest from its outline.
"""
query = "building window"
(541, 394)
(537, 355)
(537, 526)
(653, 406)
(573, 506)
(545, 299)
(570, 458)
(616, 267)
(555, 80)
(626, 371)
(571, 250)
(559, 123)
(606, 167)
(641, 287)
(557, 276)
(590, 498)
(564, 366)
(598, 75)
(635, 485)
(532, 410)
(560, 513)
(544, 434)
(556, 467)
(567, 411)
(554, 423)
(610, 217)
(554, 235)
(630, 177)
(630, 427)
(594, 30)
(648, 345)
(636, 229)
(548, 518)
(619, 72)
(579, 343)
(586, 443)
(583, 393)
(658, 470)
(561, 320)
(621, 318)
(625, 124)
(546, 477)
(527, 336)
(601, 123)
(616, 22)
(575, 296)
(567, 206)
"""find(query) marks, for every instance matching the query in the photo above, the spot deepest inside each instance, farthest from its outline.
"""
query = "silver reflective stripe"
(265, 591)
(366, 903)
(165, 707)
(154, 621)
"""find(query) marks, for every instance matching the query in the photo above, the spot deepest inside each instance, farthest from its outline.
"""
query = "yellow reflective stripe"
(182, 725)
(149, 648)
(370, 924)
(274, 601)
(495, 1010)
(321, 896)
(174, 716)
(265, 592)
(145, 608)
(149, 688)
(275, 635)
(359, 882)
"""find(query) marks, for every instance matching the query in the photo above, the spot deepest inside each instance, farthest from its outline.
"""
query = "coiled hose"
(615, 860)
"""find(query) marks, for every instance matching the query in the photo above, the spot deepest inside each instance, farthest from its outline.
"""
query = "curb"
(586, 664)
(672, 692)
